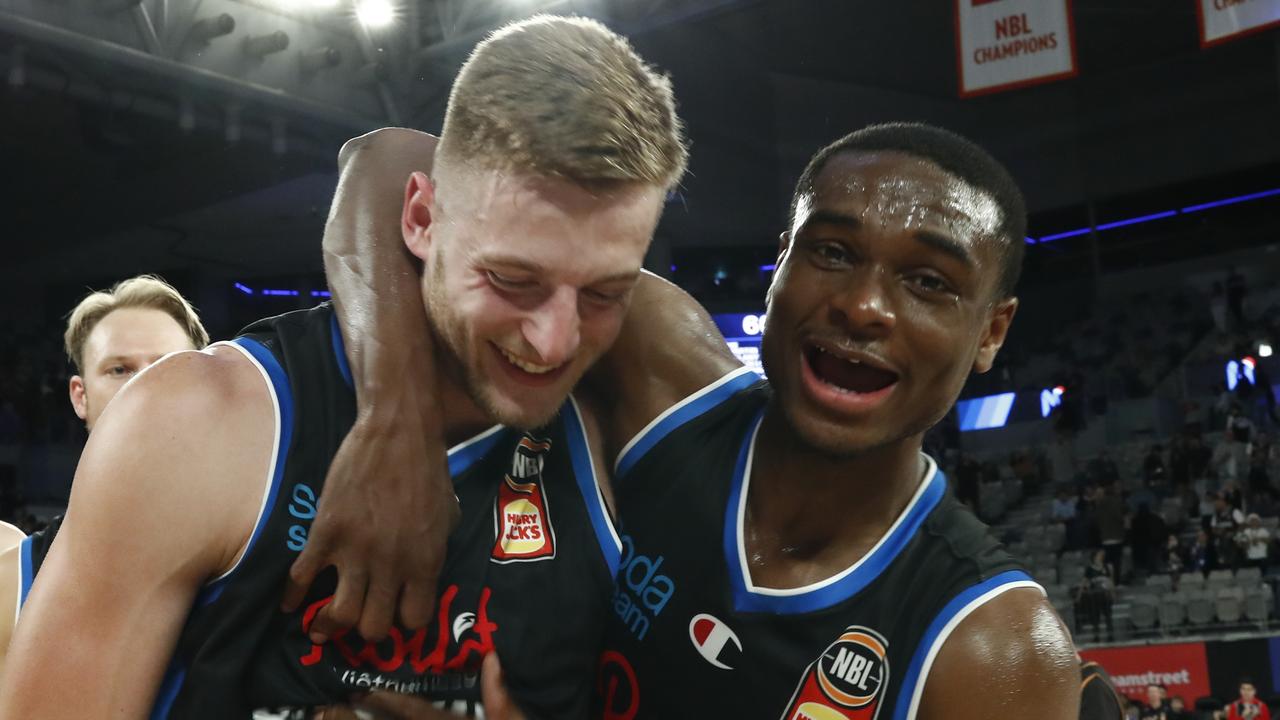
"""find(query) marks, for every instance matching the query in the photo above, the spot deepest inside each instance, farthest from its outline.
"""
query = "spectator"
(1248, 706)
(1178, 709)
(1147, 532)
(1109, 512)
(1259, 479)
(1157, 705)
(1239, 428)
(1175, 556)
(1202, 556)
(1094, 596)
(968, 478)
(1254, 541)
(1063, 509)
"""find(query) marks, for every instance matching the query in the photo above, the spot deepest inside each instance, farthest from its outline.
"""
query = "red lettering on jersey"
(617, 686)
(398, 649)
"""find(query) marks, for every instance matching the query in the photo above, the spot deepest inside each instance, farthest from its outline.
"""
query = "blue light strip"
(769, 268)
(1156, 216)
(242, 288)
(1231, 201)
(282, 293)
(321, 293)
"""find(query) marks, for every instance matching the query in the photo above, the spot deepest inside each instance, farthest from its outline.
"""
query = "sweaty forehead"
(896, 185)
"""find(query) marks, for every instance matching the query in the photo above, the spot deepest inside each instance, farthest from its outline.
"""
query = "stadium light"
(375, 13)
(1264, 350)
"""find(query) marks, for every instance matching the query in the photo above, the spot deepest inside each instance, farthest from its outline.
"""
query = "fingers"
(301, 575)
(344, 612)
(379, 607)
(418, 600)
(498, 704)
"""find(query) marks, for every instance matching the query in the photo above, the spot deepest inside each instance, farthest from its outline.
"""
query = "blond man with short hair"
(111, 336)
(197, 490)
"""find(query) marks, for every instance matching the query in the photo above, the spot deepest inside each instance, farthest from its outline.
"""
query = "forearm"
(375, 280)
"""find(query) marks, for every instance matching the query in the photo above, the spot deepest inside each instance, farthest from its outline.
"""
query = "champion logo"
(714, 641)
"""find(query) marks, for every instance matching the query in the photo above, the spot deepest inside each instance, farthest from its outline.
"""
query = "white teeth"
(527, 366)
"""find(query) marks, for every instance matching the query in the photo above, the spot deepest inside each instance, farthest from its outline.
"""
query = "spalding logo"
(846, 682)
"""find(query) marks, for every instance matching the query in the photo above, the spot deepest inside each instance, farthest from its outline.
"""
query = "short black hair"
(954, 154)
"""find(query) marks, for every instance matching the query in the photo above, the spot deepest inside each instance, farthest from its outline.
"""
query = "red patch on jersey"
(846, 682)
(522, 520)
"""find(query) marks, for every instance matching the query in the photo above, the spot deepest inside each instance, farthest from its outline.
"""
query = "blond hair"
(143, 291)
(564, 96)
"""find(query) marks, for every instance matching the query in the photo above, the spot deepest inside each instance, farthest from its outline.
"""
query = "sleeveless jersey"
(528, 573)
(691, 636)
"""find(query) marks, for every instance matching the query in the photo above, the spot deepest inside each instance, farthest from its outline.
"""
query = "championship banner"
(1007, 44)
(1180, 667)
(1223, 20)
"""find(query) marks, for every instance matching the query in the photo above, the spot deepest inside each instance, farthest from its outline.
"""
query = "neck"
(819, 513)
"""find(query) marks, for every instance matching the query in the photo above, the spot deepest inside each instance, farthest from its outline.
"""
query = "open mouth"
(528, 372)
(847, 375)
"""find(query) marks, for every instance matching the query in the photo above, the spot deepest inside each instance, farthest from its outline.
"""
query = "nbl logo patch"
(522, 518)
(847, 682)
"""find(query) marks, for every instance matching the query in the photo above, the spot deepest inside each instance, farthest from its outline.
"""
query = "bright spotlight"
(375, 13)
(1264, 350)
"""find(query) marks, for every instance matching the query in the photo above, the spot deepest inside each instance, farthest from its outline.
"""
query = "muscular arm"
(1009, 658)
(160, 505)
(388, 505)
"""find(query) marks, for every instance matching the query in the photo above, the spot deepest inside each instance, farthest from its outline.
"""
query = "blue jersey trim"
(463, 456)
(26, 574)
(340, 351)
(284, 399)
(168, 694)
(948, 612)
(787, 602)
(584, 472)
(681, 413)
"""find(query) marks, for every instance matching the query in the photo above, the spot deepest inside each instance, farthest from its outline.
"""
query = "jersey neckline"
(748, 597)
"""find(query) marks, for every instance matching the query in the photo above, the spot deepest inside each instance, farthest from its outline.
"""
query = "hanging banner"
(1181, 668)
(1223, 20)
(1007, 44)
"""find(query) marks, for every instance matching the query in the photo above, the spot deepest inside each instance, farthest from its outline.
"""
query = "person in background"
(1147, 533)
(1178, 709)
(1202, 556)
(1094, 596)
(1109, 513)
(1255, 542)
(1157, 707)
(1248, 706)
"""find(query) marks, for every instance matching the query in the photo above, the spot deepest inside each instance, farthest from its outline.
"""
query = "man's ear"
(79, 402)
(996, 331)
(415, 217)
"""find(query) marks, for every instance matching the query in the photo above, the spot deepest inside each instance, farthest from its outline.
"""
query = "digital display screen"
(742, 331)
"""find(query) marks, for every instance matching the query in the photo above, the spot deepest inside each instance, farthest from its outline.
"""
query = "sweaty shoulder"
(192, 432)
(1009, 656)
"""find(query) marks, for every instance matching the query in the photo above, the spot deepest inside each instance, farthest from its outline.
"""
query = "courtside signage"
(1223, 20)
(1007, 44)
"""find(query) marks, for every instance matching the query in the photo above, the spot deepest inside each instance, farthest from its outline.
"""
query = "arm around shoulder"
(165, 496)
(1010, 657)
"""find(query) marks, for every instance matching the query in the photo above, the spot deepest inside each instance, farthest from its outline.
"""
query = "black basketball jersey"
(31, 555)
(691, 636)
(528, 573)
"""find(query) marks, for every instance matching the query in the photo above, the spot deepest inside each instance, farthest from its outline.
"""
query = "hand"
(383, 521)
(498, 704)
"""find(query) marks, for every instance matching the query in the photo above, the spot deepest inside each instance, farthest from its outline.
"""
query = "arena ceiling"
(165, 156)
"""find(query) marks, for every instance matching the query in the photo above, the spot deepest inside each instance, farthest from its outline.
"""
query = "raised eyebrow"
(945, 245)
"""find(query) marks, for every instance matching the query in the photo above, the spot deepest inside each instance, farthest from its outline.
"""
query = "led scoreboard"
(742, 331)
